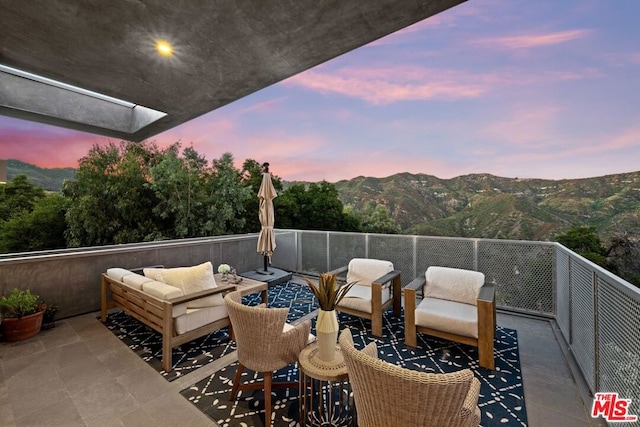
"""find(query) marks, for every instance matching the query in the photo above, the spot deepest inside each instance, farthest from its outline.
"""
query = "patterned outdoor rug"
(147, 343)
(501, 395)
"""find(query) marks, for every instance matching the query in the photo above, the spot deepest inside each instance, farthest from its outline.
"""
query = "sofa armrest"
(200, 294)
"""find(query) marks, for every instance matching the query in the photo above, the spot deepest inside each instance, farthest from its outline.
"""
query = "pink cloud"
(43, 145)
(532, 40)
(387, 85)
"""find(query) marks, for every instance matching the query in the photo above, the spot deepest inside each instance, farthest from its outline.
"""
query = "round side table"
(324, 389)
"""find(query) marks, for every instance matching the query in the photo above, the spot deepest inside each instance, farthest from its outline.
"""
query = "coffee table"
(247, 286)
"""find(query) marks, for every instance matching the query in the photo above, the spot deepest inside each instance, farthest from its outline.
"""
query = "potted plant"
(21, 315)
(49, 317)
(328, 294)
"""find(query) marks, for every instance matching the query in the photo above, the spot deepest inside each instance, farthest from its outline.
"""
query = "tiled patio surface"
(80, 374)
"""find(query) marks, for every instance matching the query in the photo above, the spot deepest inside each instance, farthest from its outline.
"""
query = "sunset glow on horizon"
(516, 89)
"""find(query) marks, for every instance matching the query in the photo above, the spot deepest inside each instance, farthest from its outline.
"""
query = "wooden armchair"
(378, 286)
(389, 395)
(457, 305)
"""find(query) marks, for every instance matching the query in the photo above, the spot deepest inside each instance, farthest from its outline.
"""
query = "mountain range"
(487, 206)
(478, 205)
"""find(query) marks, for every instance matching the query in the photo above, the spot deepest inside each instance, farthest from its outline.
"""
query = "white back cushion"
(453, 284)
(364, 271)
(117, 273)
(190, 280)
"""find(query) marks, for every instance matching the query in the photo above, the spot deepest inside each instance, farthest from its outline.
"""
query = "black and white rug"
(501, 399)
(147, 343)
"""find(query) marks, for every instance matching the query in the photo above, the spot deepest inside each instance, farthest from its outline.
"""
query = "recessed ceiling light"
(164, 48)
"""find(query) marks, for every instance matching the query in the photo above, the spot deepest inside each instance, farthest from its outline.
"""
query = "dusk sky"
(528, 89)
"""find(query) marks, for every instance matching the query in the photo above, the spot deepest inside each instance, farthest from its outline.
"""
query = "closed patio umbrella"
(267, 237)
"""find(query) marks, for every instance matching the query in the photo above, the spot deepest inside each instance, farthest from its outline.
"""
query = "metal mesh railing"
(583, 320)
(619, 342)
(563, 295)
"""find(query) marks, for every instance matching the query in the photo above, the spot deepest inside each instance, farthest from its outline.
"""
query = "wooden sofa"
(456, 305)
(163, 307)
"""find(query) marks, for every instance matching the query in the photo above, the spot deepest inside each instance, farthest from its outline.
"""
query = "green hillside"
(488, 206)
(49, 179)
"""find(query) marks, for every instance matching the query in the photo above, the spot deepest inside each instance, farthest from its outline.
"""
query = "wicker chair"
(389, 395)
(377, 288)
(265, 344)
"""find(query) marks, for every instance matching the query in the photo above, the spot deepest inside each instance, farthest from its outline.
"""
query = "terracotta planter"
(15, 329)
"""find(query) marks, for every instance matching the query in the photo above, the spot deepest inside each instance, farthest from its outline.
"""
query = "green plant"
(19, 304)
(327, 291)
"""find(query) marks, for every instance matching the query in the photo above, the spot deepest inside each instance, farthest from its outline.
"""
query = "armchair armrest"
(417, 284)
(387, 277)
(340, 270)
(487, 293)
(200, 294)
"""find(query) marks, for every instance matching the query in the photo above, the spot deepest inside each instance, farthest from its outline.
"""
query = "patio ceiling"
(223, 50)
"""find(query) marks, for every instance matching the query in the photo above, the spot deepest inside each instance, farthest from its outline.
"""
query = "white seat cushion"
(448, 316)
(288, 327)
(359, 298)
(453, 284)
(364, 271)
(196, 317)
(190, 280)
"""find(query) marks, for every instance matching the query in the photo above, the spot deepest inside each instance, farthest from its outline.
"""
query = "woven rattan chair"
(389, 395)
(377, 288)
(265, 344)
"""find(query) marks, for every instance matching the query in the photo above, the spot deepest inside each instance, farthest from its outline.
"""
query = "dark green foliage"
(585, 241)
(314, 208)
(18, 196)
(19, 304)
(39, 229)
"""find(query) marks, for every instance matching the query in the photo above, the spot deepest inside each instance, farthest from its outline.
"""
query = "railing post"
(328, 252)
(596, 334)
(475, 254)
(415, 256)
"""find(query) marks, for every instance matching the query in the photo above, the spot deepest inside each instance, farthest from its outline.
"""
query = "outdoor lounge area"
(83, 373)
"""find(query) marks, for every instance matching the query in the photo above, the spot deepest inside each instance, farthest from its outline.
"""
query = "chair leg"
(268, 377)
(236, 381)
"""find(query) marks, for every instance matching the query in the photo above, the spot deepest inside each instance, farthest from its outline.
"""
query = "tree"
(17, 196)
(374, 218)
(39, 229)
(110, 201)
(584, 240)
(314, 208)
(228, 197)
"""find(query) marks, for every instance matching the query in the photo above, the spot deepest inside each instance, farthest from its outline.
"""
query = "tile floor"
(80, 374)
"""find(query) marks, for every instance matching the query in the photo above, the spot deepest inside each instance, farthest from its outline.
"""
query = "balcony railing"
(597, 312)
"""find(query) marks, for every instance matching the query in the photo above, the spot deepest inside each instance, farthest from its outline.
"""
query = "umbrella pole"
(266, 269)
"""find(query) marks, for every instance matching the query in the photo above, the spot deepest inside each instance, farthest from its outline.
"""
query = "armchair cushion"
(364, 271)
(288, 326)
(448, 316)
(453, 284)
(190, 280)
(359, 298)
